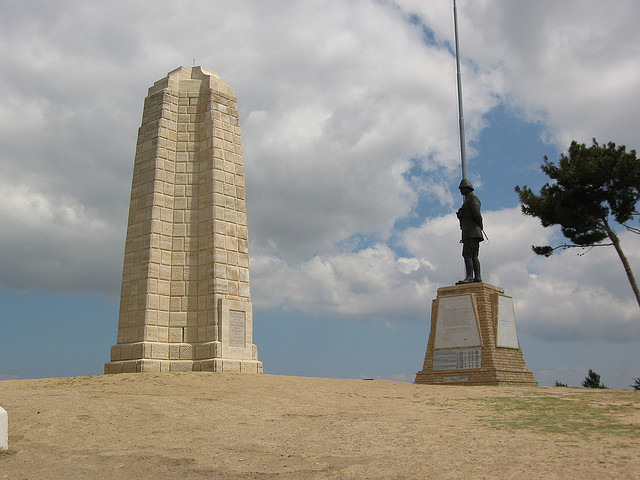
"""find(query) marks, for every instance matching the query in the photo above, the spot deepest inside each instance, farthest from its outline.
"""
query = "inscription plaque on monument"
(237, 320)
(455, 379)
(457, 326)
(457, 358)
(507, 335)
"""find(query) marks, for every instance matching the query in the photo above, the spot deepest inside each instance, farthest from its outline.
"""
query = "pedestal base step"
(477, 377)
(206, 365)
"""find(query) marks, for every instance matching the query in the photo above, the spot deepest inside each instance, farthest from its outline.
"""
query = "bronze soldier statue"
(471, 226)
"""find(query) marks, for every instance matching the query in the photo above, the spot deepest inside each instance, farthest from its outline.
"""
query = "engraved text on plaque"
(507, 335)
(458, 358)
(237, 321)
(457, 326)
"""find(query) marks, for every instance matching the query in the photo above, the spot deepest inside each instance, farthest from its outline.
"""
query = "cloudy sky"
(348, 112)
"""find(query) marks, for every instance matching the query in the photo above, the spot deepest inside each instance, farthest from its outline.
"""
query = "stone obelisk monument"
(185, 302)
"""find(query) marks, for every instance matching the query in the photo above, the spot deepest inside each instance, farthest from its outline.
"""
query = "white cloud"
(372, 283)
(573, 65)
(337, 104)
(53, 243)
(333, 102)
(565, 297)
(580, 297)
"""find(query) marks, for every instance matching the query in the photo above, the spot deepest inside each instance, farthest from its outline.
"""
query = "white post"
(4, 430)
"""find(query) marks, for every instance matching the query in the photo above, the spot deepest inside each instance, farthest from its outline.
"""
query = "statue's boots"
(477, 277)
(468, 263)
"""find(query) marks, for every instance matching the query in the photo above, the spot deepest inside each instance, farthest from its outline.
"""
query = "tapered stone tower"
(185, 302)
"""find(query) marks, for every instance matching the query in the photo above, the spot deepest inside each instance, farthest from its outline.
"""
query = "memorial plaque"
(456, 325)
(237, 322)
(507, 335)
(455, 379)
(457, 358)
(445, 359)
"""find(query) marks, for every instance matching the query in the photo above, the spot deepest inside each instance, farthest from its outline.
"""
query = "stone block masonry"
(185, 281)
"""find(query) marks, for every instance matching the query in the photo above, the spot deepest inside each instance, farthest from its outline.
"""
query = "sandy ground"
(223, 426)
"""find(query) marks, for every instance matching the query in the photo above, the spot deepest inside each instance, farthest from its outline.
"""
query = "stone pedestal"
(473, 339)
(185, 300)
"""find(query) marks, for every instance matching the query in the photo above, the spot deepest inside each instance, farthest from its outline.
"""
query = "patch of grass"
(354, 394)
(574, 415)
(442, 406)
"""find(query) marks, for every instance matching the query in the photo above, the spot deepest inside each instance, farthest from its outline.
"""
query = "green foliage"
(560, 384)
(588, 186)
(592, 380)
(636, 384)
(546, 250)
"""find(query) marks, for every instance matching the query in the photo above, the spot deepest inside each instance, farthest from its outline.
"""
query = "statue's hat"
(465, 183)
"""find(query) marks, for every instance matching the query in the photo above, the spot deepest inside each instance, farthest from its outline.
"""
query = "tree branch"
(635, 230)
(548, 250)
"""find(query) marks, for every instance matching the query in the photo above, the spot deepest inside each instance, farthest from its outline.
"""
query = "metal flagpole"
(463, 150)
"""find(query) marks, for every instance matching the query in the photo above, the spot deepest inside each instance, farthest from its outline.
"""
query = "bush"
(592, 380)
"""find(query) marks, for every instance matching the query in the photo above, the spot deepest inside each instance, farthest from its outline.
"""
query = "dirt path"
(222, 426)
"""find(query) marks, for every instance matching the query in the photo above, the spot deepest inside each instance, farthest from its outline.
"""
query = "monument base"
(473, 339)
(208, 365)
(180, 357)
(228, 346)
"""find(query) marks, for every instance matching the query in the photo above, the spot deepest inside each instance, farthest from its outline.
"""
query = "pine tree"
(592, 380)
(591, 188)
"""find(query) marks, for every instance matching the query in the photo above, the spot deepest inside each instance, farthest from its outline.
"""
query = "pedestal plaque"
(473, 339)
(236, 327)
(457, 358)
(457, 323)
(237, 331)
(507, 335)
